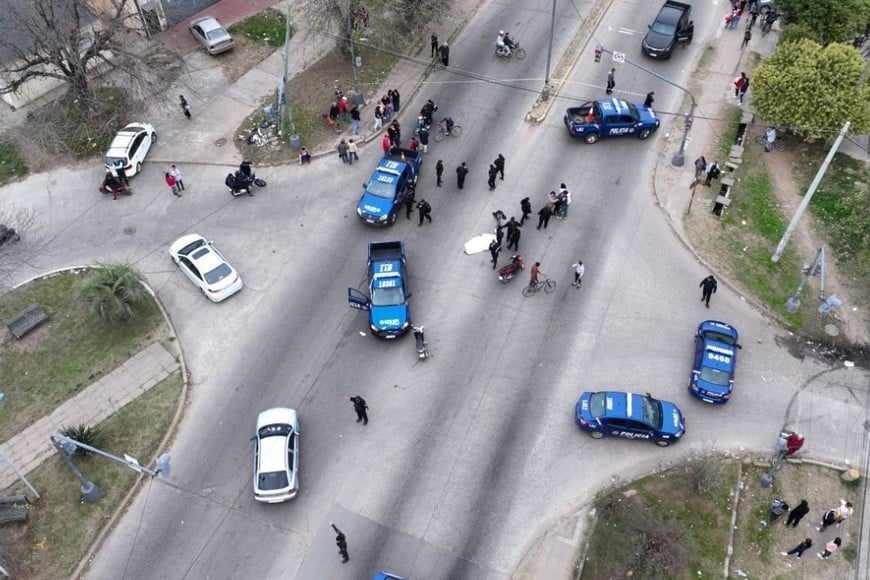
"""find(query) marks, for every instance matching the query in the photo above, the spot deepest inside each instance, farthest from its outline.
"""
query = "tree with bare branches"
(25, 248)
(68, 42)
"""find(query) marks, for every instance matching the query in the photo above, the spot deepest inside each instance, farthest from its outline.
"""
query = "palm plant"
(114, 292)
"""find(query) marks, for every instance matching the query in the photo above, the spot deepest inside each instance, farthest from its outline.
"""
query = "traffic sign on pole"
(619, 57)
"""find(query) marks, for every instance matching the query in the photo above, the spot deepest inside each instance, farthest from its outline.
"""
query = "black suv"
(671, 26)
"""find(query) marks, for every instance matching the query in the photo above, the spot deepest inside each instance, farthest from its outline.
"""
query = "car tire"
(662, 442)
(644, 134)
(591, 138)
(138, 168)
(596, 434)
(153, 138)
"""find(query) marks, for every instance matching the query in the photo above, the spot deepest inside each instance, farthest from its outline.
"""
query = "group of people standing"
(833, 516)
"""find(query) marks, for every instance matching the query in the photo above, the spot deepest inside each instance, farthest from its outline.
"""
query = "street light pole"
(90, 491)
(15, 469)
(679, 157)
(545, 93)
(131, 462)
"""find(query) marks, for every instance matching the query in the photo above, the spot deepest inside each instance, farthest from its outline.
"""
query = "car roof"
(620, 404)
(207, 23)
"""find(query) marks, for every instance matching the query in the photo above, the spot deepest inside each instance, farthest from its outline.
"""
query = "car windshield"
(720, 337)
(664, 28)
(652, 412)
(216, 34)
(273, 480)
(381, 189)
(633, 110)
(597, 404)
(715, 376)
(390, 296)
(218, 274)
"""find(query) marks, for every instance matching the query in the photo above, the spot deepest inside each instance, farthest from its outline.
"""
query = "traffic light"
(598, 51)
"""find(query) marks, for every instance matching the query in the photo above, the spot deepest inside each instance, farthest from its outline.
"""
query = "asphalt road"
(470, 456)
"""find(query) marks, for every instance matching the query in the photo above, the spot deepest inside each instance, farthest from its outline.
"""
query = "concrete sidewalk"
(98, 402)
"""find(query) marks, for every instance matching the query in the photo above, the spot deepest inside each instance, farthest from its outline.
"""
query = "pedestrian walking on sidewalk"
(379, 117)
(743, 89)
(526, 208)
(831, 548)
(800, 548)
(795, 515)
(439, 171)
(461, 172)
(747, 36)
(425, 211)
(433, 42)
(738, 83)
(700, 167)
(611, 81)
(170, 183)
(185, 107)
(579, 270)
(708, 288)
(713, 172)
(354, 118)
(499, 165)
(341, 542)
(360, 406)
(176, 173)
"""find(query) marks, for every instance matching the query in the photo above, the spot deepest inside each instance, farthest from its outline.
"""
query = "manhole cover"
(220, 142)
(129, 230)
(832, 330)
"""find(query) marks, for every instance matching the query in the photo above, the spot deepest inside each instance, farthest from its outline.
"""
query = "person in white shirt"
(579, 270)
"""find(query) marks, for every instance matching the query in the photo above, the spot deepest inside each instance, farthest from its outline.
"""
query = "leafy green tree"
(812, 89)
(830, 20)
(114, 293)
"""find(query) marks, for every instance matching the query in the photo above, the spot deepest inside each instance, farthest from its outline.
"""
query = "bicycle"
(455, 131)
(778, 143)
(548, 285)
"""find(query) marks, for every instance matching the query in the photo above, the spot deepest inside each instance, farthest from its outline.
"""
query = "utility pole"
(352, 49)
(284, 92)
(545, 92)
(780, 248)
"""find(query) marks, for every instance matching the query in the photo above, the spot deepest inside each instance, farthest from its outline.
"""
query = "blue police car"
(712, 378)
(629, 415)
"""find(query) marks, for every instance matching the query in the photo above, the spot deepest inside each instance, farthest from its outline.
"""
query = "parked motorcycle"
(506, 272)
(422, 346)
(505, 52)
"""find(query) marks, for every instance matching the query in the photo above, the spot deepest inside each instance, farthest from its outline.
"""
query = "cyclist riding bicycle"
(446, 124)
(533, 273)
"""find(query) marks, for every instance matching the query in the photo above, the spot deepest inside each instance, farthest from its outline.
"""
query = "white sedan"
(276, 467)
(206, 267)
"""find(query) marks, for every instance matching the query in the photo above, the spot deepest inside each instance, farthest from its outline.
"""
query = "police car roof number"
(619, 57)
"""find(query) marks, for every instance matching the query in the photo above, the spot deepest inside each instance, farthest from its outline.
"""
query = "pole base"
(91, 492)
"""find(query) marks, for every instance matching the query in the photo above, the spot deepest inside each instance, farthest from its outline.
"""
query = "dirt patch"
(243, 57)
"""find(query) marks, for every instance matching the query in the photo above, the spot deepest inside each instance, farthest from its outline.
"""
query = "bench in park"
(14, 508)
(26, 321)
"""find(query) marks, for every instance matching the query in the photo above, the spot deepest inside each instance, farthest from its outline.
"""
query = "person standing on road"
(831, 548)
(433, 42)
(492, 173)
(185, 107)
(409, 199)
(800, 548)
(461, 172)
(544, 215)
(176, 173)
(526, 208)
(425, 211)
(395, 100)
(360, 406)
(713, 172)
(170, 182)
(445, 54)
(341, 542)
(439, 171)
(122, 173)
(611, 81)
(564, 197)
(342, 150)
(797, 514)
(424, 139)
(649, 99)
(494, 249)
(386, 144)
(708, 288)
(352, 151)
(513, 236)
(579, 270)
(499, 165)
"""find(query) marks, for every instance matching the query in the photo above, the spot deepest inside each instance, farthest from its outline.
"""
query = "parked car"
(629, 415)
(276, 464)
(715, 361)
(206, 267)
(130, 146)
(211, 35)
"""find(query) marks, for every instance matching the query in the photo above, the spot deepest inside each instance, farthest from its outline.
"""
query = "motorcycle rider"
(427, 111)
(504, 43)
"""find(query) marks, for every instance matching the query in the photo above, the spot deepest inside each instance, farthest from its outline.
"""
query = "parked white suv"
(130, 146)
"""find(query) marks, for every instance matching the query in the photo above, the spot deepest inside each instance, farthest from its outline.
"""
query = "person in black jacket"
(526, 207)
(708, 288)
(795, 515)
(425, 211)
(461, 172)
(341, 542)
